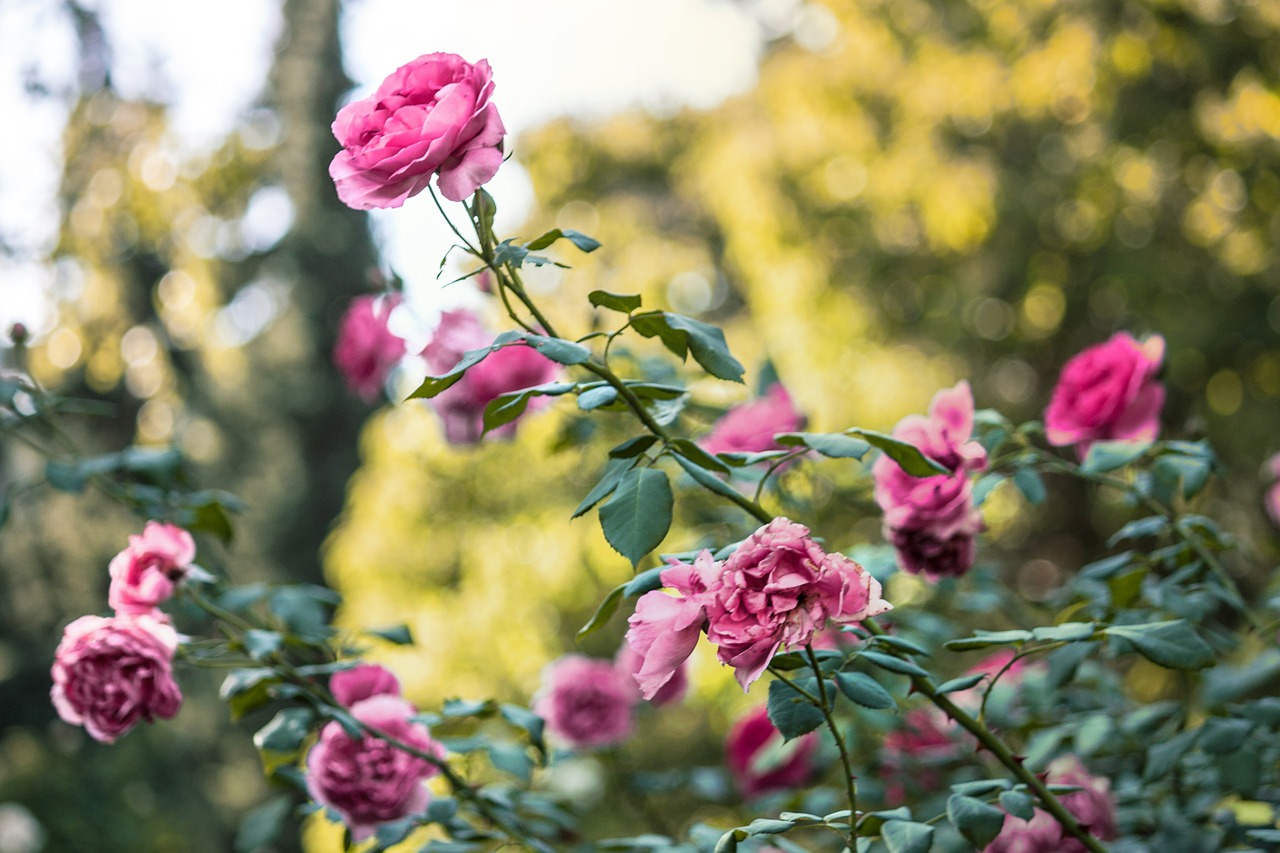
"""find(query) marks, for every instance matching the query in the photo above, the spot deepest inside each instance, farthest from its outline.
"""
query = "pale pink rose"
(366, 780)
(777, 590)
(759, 760)
(350, 686)
(1108, 392)
(1093, 808)
(145, 573)
(512, 368)
(1273, 493)
(665, 628)
(932, 521)
(110, 673)
(630, 663)
(750, 428)
(431, 116)
(366, 349)
(586, 702)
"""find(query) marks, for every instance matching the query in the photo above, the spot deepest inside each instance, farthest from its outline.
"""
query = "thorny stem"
(850, 786)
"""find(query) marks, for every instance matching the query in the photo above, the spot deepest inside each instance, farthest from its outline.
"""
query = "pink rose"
(366, 349)
(759, 760)
(109, 673)
(144, 574)
(431, 116)
(512, 368)
(1273, 493)
(664, 628)
(630, 663)
(750, 428)
(586, 702)
(367, 780)
(778, 589)
(991, 665)
(350, 686)
(931, 521)
(1093, 808)
(1108, 392)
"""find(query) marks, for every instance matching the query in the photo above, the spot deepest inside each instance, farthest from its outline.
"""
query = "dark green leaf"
(1107, 567)
(65, 476)
(964, 682)
(285, 732)
(908, 456)
(633, 447)
(621, 302)
(523, 718)
(1173, 644)
(582, 241)
(558, 349)
(977, 821)
(791, 713)
(246, 689)
(1142, 527)
(706, 479)
(1018, 804)
(893, 641)
(980, 787)
(834, 445)
(893, 664)
(262, 825)
(708, 346)
(697, 455)
(1106, 456)
(511, 758)
(1224, 734)
(603, 613)
(987, 639)
(1165, 754)
(654, 324)
(260, 644)
(467, 708)
(637, 516)
(398, 634)
(864, 690)
(433, 385)
(614, 471)
(766, 826)
(901, 836)
(1029, 483)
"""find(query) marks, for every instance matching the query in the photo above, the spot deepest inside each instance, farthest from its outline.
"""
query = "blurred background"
(880, 198)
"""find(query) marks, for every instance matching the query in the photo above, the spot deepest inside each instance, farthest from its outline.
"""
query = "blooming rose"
(109, 673)
(665, 628)
(367, 780)
(932, 521)
(586, 702)
(630, 663)
(431, 116)
(512, 368)
(1108, 392)
(779, 588)
(350, 686)
(759, 760)
(144, 574)
(1273, 493)
(750, 428)
(1093, 807)
(366, 349)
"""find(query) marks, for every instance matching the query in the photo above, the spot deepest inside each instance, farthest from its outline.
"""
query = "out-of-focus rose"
(367, 780)
(779, 588)
(665, 628)
(362, 681)
(932, 521)
(992, 665)
(911, 754)
(587, 703)
(1108, 392)
(1093, 807)
(431, 116)
(512, 368)
(1273, 493)
(366, 349)
(750, 428)
(630, 662)
(110, 673)
(144, 574)
(759, 760)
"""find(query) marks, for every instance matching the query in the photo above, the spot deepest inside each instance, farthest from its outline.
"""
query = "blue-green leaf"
(908, 456)
(1173, 644)
(977, 821)
(637, 516)
(791, 713)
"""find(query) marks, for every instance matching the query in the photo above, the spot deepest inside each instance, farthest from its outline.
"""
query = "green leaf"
(577, 238)
(1018, 804)
(902, 836)
(706, 479)
(708, 346)
(833, 445)
(893, 664)
(637, 516)
(558, 349)
(864, 690)
(65, 476)
(614, 471)
(1029, 483)
(1139, 529)
(246, 689)
(285, 732)
(908, 456)
(261, 644)
(1067, 632)
(261, 826)
(767, 826)
(511, 758)
(964, 682)
(433, 385)
(633, 447)
(695, 454)
(791, 713)
(978, 822)
(654, 324)
(1224, 734)
(594, 398)
(482, 210)
(1162, 757)
(987, 639)
(624, 303)
(608, 606)
(523, 718)
(1173, 644)
(1104, 456)
(398, 634)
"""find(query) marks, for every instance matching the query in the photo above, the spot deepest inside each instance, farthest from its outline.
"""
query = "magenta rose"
(586, 702)
(110, 673)
(761, 762)
(777, 590)
(750, 428)
(350, 686)
(1108, 392)
(630, 663)
(367, 780)
(145, 573)
(665, 628)
(1272, 499)
(512, 368)
(430, 117)
(1093, 807)
(366, 349)
(932, 521)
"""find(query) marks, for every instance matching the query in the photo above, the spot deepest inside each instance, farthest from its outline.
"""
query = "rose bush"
(432, 116)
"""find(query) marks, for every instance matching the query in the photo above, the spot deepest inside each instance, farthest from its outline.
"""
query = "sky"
(581, 58)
